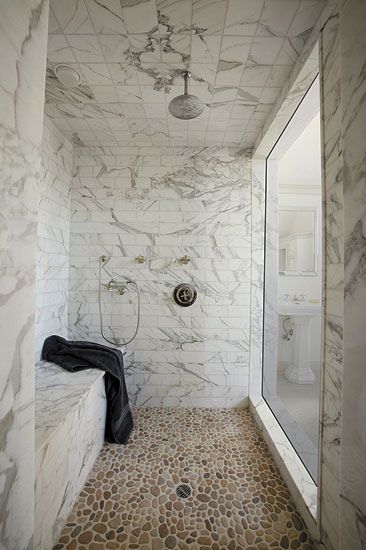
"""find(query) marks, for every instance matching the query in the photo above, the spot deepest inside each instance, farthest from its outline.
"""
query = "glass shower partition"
(293, 280)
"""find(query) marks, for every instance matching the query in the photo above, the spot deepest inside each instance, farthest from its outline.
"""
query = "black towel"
(74, 356)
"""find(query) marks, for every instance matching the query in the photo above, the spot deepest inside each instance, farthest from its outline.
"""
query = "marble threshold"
(300, 441)
(301, 486)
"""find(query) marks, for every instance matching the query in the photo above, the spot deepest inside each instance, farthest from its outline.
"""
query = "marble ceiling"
(131, 53)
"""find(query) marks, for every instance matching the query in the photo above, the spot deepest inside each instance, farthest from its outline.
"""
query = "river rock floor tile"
(238, 499)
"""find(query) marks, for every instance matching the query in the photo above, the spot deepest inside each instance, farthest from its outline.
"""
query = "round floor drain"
(183, 490)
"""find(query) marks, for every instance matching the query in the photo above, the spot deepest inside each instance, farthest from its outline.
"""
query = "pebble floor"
(238, 499)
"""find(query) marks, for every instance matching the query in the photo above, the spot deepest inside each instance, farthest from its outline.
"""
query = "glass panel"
(293, 280)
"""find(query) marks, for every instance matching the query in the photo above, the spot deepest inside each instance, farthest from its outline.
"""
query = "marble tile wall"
(70, 420)
(341, 509)
(353, 429)
(270, 321)
(333, 231)
(53, 236)
(164, 203)
(23, 31)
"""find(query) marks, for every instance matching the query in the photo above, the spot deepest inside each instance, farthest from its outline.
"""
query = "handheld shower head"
(120, 287)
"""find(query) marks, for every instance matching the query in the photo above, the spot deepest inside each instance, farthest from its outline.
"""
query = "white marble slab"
(58, 393)
(70, 422)
(53, 230)
(23, 31)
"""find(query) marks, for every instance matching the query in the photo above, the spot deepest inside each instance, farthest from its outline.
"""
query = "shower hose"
(128, 282)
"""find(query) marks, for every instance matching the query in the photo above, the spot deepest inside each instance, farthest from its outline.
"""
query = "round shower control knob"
(185, 295)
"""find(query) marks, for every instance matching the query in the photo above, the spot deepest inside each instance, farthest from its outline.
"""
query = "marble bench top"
(58, 392)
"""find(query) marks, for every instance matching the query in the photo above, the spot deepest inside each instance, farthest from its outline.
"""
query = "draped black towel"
(74, 356)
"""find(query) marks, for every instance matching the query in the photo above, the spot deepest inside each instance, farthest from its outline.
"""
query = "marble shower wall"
(70, 420)
(353, 428)
(23, 31)
(164, 203)
(333, 230)
(53, 236)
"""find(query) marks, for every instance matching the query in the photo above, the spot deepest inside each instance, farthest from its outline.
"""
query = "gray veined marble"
(134, 52)
(164, 203)
(53, 230)
(70, 422)
(353, 440)
(137, 188)
(327, 32)
(23, 28)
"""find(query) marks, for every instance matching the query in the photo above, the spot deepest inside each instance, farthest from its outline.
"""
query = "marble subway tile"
(53, 236)
(175, 218)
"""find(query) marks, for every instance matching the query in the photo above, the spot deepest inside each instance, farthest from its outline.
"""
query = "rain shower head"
(186, 106)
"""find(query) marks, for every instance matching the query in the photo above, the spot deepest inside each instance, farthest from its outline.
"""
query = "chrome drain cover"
(183, 490)
(185, 295)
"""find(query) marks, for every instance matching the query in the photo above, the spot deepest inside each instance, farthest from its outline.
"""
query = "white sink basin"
(299, 371)
(294, 309)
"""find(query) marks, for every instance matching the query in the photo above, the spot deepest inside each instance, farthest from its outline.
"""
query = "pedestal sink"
(299, 370)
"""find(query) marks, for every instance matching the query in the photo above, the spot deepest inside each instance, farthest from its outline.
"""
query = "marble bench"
(70, 420)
